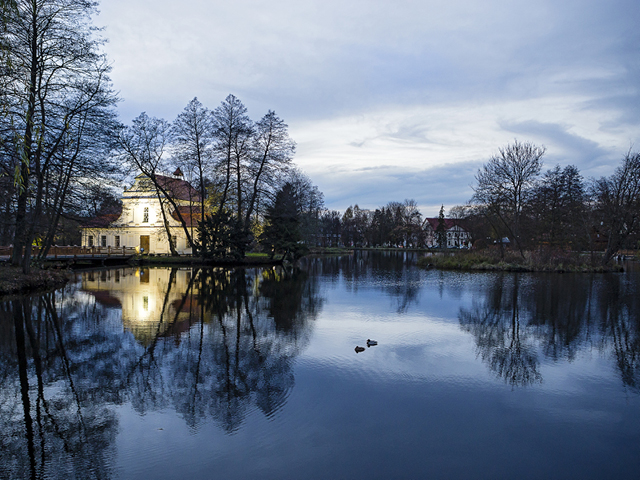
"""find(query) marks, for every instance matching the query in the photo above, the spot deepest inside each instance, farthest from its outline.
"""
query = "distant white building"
(141, 223)
(457, 234)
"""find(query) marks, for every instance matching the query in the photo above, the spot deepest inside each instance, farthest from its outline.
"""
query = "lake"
(160, 373)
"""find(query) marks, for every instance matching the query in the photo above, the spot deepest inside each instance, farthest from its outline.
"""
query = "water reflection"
(54, 412)
(151, 300)
(520, 319)
(210, 344)
(499, 325)
(218, 347)
(392, 272)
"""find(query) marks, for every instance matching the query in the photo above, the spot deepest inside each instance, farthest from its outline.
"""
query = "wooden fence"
(74, 251)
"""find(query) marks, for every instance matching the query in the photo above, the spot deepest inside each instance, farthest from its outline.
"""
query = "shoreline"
(478, 262)
(199, 262)
(14, 282)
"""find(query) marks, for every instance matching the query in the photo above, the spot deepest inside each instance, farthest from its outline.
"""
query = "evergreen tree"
(441, 230)
(221, 236)
(282, 233)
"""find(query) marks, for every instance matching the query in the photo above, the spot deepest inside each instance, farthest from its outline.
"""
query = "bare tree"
(193, 142)
(273, 150)
(233, 132)
(143, 145)
(52, 75)
(618, 202)
(251, 160)
(558, 208)
(84, 157)
(504, 183)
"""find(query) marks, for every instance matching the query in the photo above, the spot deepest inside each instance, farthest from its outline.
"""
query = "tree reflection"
(619, 310)
(213, 344)
(51, 429)
(391, 271)
(219, 345)
(516, 316)
(502, 338)
(224, 341)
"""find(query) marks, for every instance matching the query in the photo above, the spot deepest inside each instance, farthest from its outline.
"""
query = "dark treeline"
(515, 204)
(513, 199)
(393, 225)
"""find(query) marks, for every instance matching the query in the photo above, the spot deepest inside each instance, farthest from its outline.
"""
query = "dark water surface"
(176, 373)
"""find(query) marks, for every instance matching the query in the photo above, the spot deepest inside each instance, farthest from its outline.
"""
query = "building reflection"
(234, 334)
(211, 344)
(152, 300)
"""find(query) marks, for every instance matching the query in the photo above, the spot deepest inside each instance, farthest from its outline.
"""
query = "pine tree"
(282, 233)
(441, 230)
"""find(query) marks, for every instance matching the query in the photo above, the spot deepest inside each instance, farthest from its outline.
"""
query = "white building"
(141, 223)
(457, 234)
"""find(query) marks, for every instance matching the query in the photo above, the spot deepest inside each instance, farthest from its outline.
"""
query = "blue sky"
(394, 100)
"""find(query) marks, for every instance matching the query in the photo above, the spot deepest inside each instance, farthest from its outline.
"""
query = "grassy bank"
(13, 281)
(330, 251)
(543, 261)
(251, 259)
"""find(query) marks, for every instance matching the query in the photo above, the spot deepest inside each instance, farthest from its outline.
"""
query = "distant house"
(141, 222)
(456, 230)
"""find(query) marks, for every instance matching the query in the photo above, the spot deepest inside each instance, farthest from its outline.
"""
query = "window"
(145, 215)
(103, 241)
(90, 241)
(145, 184)
(117, 241)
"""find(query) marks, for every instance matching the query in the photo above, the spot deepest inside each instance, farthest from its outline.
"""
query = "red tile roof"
(190, 214)
(101, 221)
(180, 189)
(106, 299)
(448, 223)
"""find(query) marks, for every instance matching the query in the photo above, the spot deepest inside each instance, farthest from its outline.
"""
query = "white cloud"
(376, 89)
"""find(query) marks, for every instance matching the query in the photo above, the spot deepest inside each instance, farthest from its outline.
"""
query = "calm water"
(176, 373)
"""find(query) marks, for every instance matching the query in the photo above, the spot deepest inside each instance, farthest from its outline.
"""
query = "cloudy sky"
(389, 100)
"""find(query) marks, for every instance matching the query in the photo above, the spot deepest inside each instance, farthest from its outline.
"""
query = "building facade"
(458, 236)
(142, 223)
